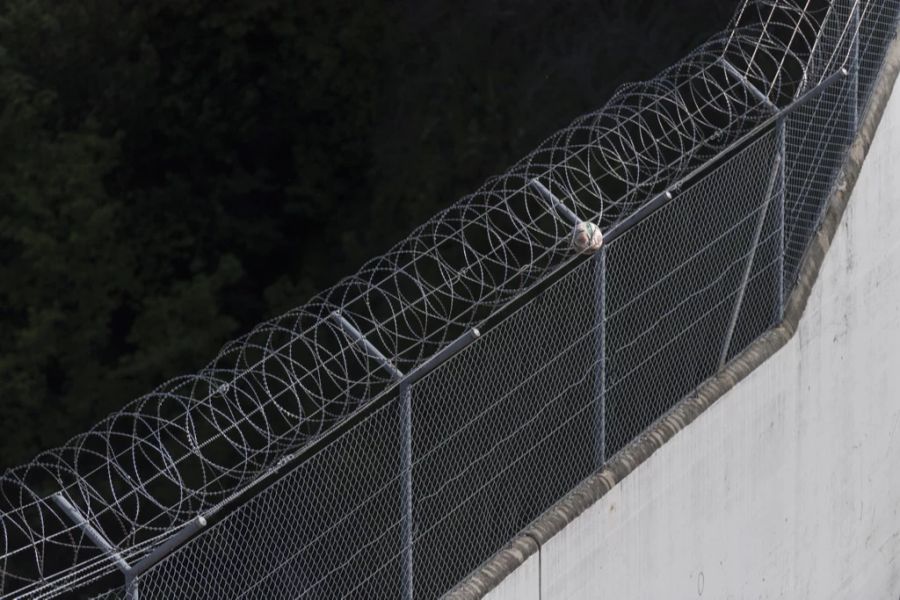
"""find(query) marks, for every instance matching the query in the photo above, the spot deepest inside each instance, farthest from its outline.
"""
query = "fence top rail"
(200, 442)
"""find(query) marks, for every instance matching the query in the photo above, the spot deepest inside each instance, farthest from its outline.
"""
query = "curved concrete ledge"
(529, 542)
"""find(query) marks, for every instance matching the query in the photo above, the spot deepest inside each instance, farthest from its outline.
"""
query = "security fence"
(386, 439)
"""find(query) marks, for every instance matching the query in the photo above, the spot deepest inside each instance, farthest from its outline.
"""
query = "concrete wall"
(789, 485)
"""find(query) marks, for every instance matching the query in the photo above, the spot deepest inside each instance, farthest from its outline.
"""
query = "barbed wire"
(189, 446)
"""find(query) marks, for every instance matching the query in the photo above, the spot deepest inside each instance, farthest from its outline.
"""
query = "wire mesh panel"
(854, 35)
(877, 27)
(330, 528)
(816, 138)
(504, 429)
(674, 282)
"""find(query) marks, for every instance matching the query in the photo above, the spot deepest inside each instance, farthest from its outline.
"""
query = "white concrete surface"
(522, 584)
(789, 486)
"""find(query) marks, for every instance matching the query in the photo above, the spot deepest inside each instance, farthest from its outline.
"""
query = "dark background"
(173, 172)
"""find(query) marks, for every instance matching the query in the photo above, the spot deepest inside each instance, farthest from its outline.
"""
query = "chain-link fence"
(494, 443)
(377, 444)
(505, 427)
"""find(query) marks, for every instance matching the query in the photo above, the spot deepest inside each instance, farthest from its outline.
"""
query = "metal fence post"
(405, 383)
(406, 489)
(599, 413)
(600, 370)
(781, 165)
(406, 434)
(854, 60)
(406, 516)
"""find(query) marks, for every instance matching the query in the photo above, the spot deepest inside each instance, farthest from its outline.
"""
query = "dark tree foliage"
(172, 172)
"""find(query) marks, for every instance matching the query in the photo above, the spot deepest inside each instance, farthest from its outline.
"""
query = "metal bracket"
(554, 203)
(354, 334)
(130, 572)
(754, 91)
(586, 236)
(89, 530)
